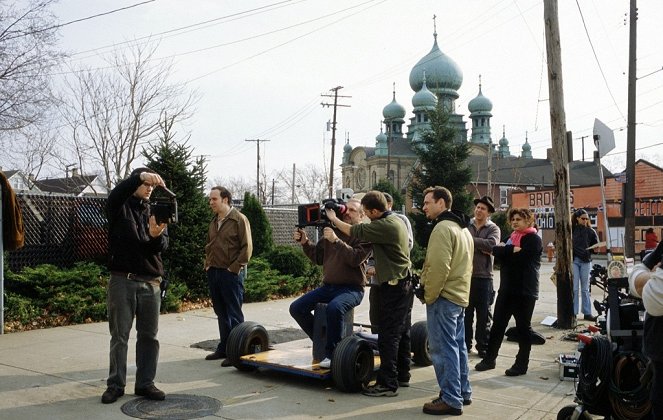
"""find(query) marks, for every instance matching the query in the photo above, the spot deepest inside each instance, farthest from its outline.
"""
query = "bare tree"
(237, 185)
(34, 148)
(310, 183)
(115, 111)
(27, 54)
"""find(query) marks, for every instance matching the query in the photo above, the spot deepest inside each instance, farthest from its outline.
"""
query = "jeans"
(125, 300)
(446, 344)
(395, 321)
(521, 308)
(227, 292)
(581, 277)
(482, 296)
(340, 299)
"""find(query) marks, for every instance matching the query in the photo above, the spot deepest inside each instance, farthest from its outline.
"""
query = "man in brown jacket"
(343, 261)
(227, 253)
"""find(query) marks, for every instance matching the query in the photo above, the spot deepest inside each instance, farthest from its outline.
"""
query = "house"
(20, 182)
(76, 185)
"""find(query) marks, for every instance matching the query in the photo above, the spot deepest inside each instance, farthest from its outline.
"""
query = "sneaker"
(515, 370)
(151, 393)
(325, 363)
(111, 395)
(378, 390)
(485, 364)
(404, 384)
(438, 407)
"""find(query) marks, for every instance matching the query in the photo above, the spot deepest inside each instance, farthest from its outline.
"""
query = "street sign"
(604, 138)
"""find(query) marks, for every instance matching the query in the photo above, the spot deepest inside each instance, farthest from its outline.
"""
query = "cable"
(628, 396)
(36, 31)
(594, 368)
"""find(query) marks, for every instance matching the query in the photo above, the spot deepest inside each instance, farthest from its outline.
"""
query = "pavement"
(59, 373)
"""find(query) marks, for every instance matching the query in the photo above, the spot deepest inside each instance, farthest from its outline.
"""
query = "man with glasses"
(135, 242)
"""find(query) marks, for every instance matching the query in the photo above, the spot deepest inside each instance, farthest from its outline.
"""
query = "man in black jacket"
(136, 242)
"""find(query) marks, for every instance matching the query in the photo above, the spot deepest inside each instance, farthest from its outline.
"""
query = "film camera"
(313, 214)
(164, 206)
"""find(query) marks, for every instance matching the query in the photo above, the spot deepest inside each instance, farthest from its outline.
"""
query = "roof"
(539, 172)
(71, 185)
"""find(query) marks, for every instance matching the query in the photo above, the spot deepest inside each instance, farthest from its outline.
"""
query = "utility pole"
(257, 141)
(565, 312)
(292, 200)
(333, 145)
(582, 139)
(629, 186)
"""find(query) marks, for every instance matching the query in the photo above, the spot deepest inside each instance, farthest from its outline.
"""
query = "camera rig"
(314, 214)
(164, 209)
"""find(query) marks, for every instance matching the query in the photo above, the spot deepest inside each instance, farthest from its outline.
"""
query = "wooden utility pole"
(257, 141)
(333, 145)
(563, 245)
(292, 200)
(629, 186)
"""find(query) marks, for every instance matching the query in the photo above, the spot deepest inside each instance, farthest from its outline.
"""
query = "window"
(504, 196)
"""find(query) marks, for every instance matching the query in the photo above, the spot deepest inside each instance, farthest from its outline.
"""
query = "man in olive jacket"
(228, 250)
(446, 278)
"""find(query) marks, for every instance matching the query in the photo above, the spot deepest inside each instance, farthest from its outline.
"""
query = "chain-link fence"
(61, 230)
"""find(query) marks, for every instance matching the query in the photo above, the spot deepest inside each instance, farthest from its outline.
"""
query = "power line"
(36, 31)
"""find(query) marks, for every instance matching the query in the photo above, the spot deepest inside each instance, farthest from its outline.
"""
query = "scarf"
(517, 235)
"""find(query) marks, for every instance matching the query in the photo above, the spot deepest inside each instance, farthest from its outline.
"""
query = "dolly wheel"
(246, 338)
(419, 340)
(352, 364)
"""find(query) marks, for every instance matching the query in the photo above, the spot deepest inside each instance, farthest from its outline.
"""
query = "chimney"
(549, 154)
(74, 171)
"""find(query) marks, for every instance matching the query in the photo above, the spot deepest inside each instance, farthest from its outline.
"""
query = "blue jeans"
(446, 343)
(227, 292)
(126, 299)
(340, 299)
(581, 279)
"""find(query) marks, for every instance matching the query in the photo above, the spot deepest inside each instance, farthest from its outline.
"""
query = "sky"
(261, 68)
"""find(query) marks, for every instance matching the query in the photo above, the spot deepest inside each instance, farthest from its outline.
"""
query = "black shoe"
(485, 364)
(483, 354)
(111, 395)
(151, 393)
(467, 402)
(515, 370)
(589, 317)
(404, 384)
(215, 356)
(226, 363)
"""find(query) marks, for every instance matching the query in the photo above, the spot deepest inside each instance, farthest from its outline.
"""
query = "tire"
(419, 342)
(352, 364)
(246, 338)
(569, 412)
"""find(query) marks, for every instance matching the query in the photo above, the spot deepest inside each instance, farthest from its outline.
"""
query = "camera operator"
(343, 261)
(136, 242)
(648, 284)
(388, 235)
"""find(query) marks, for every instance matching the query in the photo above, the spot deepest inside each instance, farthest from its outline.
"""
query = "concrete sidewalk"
(59, 373)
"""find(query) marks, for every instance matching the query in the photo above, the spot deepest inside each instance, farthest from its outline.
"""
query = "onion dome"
(424, 98)
(480, 103)
(381, 138)
(393, 110)
(347, 147)
(441, 71)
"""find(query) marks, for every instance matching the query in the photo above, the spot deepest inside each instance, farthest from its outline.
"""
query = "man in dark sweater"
(343, 261)
(136, 242)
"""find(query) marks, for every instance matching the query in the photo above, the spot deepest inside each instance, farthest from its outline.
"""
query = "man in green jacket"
(446, 278)
(388, 235)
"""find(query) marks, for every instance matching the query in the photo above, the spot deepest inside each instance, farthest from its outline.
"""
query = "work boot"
(151, 393)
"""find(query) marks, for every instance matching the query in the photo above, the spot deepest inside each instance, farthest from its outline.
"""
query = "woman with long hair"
(583, 238)
(520, 260)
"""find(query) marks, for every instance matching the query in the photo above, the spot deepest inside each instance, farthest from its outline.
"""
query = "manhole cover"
(175, 406)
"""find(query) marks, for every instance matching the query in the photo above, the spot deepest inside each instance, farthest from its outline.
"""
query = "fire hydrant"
(551, 251)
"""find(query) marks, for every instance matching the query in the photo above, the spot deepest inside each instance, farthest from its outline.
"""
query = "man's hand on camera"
(329, 234)
(300, 236)
(331, 215)
(156, 229)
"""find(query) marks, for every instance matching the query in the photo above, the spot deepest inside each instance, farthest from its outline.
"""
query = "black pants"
(657, 391)
(521, 308)
(482, 296)
(395, 320)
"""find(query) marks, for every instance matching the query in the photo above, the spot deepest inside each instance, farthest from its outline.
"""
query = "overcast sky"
(262, 69)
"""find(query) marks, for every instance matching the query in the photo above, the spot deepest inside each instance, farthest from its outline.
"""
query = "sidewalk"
(59, 373)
